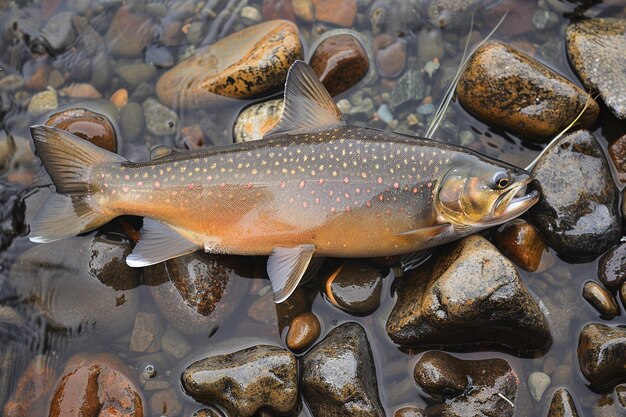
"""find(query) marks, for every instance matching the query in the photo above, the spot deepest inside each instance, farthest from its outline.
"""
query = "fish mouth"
(514, 202)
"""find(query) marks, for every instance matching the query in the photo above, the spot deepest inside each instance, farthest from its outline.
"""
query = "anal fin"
(285, 268)
(159, 243)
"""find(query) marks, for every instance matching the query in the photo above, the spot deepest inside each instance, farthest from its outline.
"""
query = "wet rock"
(245, 381)
(601, 353)
(397, 17)
(390, 55)
(256, 120)
(611, 405)
(340, 62)
(91, 126)
(304, 9)
(538, 383)
(409, 412)
(119, 98)
(33, 390)
(175, 344)
(617, 151)
(43, 102)
(264, 54)
(521, 242)
(451, 14)
(622, 294)
(595, 48)
(340, 13)
(36, 75)
(97, 385)
(469, 387)
(355, 286)
(159, 56)
(510, 89)
(165, 402)
(160, 120)
(304, 329)
(58, 33)
(612, 267)
(410, 88)
(135, 74)
(338, 376)
(562, 404)
(203, 292)
(129, 33)
(146, 336)
(578, 211)
(81, 286)
(81, 90)
(601, 300)
(471, 296)
(278, 9)
(131, 121)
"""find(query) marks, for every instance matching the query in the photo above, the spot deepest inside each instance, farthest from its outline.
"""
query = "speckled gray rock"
(451, 13)
(601, 353)
(81, 285)
(245, 381)
(470, 387)
(578, 212)
(58, 32)
(338, 375)
(611, 405)
(471, 296)
(410, 88)
(612, 267)
(562, 404)
(596, 49)
(160, 120)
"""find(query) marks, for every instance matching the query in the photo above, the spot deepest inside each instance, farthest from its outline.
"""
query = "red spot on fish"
(282, 184)
(140, 183)
(358, 190)
(347, 208)
(209, 178)
(381, 198)
(347, 195)
(222, 185)
(321, 181)
(157, 184)
(317, 200)
(190, 186)
(368, 204)
(346, 180)
(249, 185)
(414, 190)
(125, 189)
(174, 193)
(305, 204)
(301, 185)
(380, 180)
(127, 177)
(396, 185)
(332, 210)
(430, 184)
(338, 199)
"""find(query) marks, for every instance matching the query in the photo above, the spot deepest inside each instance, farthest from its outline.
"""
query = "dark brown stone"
(390, 55)
(601, 300)
(129, 33)
(278, 9)
(33, 390)
(303, 330)
(93, 127)
(510, 89)
(601, 353)
(355, 286)
(521, 242)
(340, 13)
(617, 151)
(612, 267)
(340, 62)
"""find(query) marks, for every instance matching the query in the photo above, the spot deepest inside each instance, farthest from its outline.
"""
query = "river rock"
(245, 381)
(409, 412)
(601, 353)
(390, 55)
(340, 13)
(601, 300)
(58, 33)
(611, 405)
(470, 387)
(146, 335)
(256, 120)
(521, 242)
(510, 89)
(91, 126)
(97, 385)
(397, 17)
(135, 74)
(43, 102)
(340, 61)
(278, 9)
(612, 267)
(409, 89)
(617, 151)
(247, 63)
(338, 377)
(160, 120)
(129, 33)
(451, 14)
(355, 286)
(131, 121)
(470, 296)
(33, 390)
(81, 285)
(595, 48)
(538, 383)
(304, 329)
(578, 212)
(198, 292)
(562, 404)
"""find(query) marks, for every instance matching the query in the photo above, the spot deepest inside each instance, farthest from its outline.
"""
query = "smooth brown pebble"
(340, 13)
(93, 127)
(303, 9)
(601, 300)
(521, 242)
(304, 329)
(278, 9)
(390, 55)
(409, 412)
(81, 90)
(119, 98)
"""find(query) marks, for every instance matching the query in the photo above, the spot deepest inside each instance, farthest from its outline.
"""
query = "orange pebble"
(119, 98)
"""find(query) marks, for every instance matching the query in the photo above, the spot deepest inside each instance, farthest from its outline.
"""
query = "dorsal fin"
(308, 106)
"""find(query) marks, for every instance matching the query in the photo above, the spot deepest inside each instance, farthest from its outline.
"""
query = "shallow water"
(21, 175)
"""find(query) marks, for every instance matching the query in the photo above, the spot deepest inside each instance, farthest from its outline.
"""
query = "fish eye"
(502, 180)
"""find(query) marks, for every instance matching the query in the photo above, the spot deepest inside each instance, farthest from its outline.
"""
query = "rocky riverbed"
(523, 319)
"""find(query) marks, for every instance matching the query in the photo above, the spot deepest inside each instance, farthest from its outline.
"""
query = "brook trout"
(314, 186)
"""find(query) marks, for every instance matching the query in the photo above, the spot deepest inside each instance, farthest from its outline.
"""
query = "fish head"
(480, 193)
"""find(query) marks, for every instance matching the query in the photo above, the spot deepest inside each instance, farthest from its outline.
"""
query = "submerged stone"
(86, 124)
(578, 212)
(601, 353)
(510, 89)
(596, 49)
(471, 296)
(562, 404)
(247, 63)
(612, 267)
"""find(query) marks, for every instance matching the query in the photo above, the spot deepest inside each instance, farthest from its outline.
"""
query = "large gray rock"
(578, 212)
(601, 353)
(596, 49)
(471, 297)
(245, 381)
(338, 375)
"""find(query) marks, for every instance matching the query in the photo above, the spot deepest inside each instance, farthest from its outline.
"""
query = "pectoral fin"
(159, 243)
(285, 268)
(427, 233)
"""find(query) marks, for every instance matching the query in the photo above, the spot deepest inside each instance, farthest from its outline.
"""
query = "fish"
(313, 186)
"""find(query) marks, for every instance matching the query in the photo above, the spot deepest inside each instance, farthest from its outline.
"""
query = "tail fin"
(68, 160)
